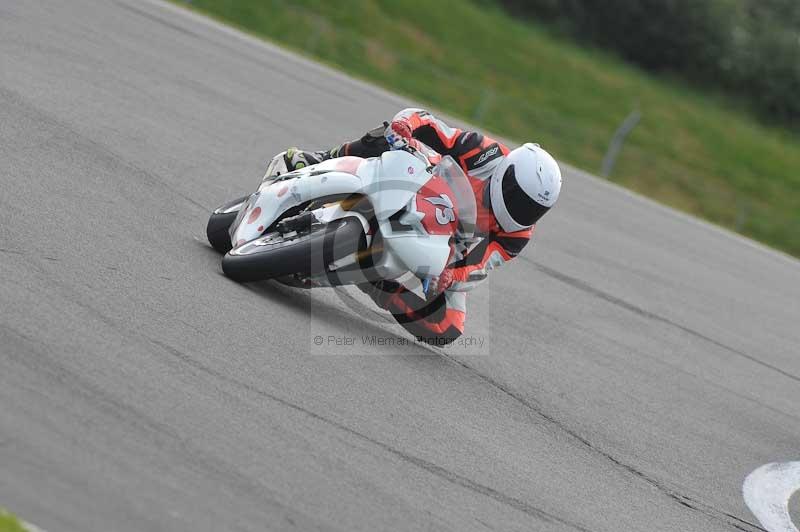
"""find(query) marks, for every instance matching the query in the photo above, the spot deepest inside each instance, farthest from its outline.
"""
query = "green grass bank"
(469, 58)
(9, 523)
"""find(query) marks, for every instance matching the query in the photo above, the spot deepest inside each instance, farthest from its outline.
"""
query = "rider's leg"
(437, 322)
(371, 144)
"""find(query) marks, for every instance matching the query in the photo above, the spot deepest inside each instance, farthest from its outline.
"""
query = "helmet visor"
(522, 208)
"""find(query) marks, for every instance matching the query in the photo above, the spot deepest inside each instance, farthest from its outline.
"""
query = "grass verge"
(693, 151)
(9, 523)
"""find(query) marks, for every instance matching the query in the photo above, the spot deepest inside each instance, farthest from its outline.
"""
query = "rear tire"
(220, 222)
(274, 256)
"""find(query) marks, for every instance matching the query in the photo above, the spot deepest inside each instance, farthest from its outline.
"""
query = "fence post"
(617, 140)
(483, 105)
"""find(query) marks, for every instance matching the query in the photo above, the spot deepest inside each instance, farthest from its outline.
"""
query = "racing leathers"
(439, 318)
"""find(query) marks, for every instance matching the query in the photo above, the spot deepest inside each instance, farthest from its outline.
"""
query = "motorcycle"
(349, 220)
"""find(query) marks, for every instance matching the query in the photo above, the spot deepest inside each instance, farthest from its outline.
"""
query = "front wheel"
(308, 253)
(220, 222)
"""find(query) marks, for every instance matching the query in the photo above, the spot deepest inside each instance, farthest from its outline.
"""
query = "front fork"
(328, 214)
(346, 268)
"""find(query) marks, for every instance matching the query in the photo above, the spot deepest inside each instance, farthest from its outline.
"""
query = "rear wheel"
(219, 223)
(307, 253)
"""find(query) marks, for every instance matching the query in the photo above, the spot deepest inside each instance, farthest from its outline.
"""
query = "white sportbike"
(348, 220)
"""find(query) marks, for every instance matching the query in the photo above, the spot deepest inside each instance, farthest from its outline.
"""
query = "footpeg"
(299, 223)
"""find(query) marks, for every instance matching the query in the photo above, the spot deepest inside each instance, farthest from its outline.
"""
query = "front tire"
(220, 222)
(275, 255)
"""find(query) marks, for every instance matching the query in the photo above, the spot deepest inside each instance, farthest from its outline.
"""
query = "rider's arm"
(475, 153)
(441, 321)
(423, 126)
(466, 147)
(414, 123)
(492, 252)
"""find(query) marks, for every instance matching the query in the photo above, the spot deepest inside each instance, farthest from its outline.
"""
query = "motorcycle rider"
(513, 190)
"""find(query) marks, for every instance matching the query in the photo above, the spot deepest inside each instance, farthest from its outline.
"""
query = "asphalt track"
(636, 364)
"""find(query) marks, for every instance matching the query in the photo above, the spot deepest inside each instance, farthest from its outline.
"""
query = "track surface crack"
(586, 287)
(686, 501)
(421, 463)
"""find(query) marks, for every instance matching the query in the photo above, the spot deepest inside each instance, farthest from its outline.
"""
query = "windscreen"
(459, 183)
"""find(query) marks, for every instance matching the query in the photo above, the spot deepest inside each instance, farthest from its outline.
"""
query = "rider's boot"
(371, 144)
(296, 158)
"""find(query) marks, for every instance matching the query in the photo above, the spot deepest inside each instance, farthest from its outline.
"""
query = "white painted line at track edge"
(767, 491)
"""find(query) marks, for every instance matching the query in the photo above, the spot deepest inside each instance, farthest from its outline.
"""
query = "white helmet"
(524, 187)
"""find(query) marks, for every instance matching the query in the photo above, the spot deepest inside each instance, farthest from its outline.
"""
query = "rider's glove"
(441, 284)
(397, 134)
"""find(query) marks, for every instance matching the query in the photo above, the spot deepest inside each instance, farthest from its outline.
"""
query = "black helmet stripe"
(522, 208)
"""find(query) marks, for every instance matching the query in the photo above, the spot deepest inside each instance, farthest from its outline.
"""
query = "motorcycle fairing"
(390, 182)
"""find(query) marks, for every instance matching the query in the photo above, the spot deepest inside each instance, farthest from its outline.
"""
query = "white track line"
(767, 491)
